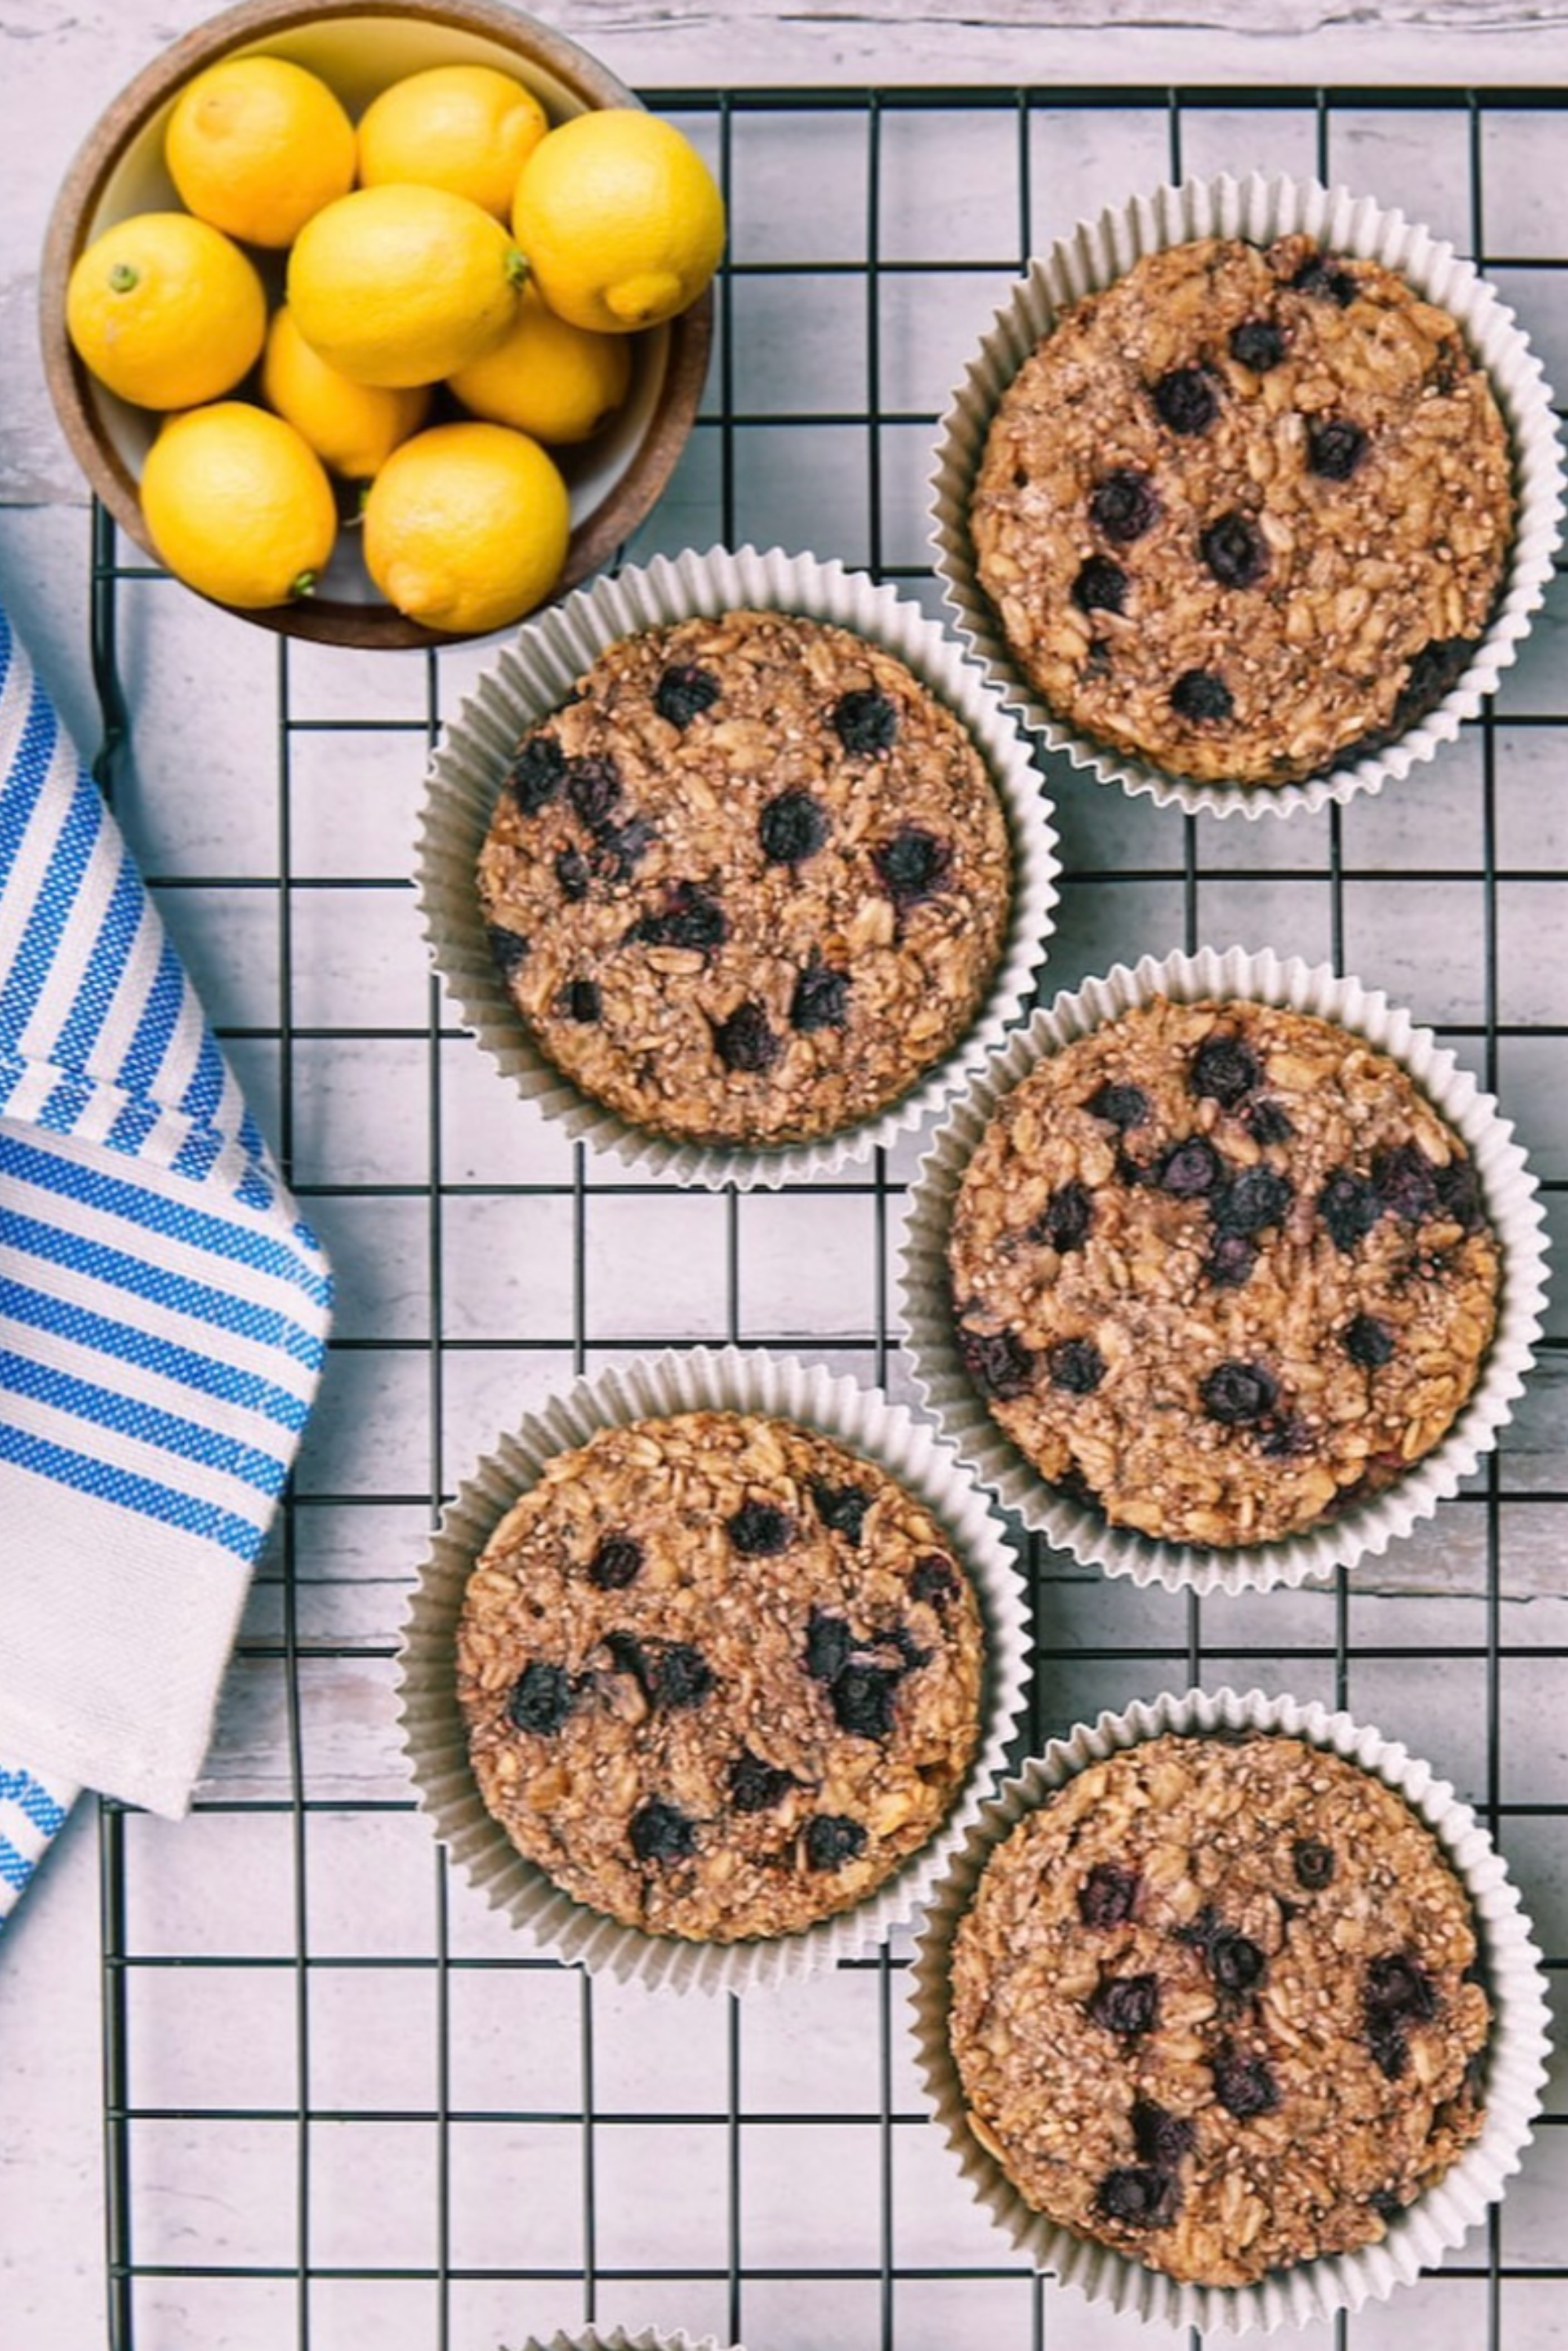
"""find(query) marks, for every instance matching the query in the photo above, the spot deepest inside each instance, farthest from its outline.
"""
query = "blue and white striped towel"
(164, 1316)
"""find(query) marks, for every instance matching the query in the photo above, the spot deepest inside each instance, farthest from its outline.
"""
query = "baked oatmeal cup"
(710, 1667)
(734, 862)
(748, 882)
(721, 1675)
(1248, 495)
(1230, 2013)
(1222, 1271)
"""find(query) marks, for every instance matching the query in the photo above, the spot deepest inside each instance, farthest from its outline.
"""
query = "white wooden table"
(203, 693)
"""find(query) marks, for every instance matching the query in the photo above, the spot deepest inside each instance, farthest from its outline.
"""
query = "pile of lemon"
(451, 246)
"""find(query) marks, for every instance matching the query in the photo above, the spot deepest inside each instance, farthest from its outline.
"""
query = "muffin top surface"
(1245, 514)
(1220, 1268)
(751, 882)
(1215, 2003)
(721, 1675)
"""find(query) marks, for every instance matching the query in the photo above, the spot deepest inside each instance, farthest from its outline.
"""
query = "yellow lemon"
(619, 218)
(465, 128)
(557, 382)
(237, 505)
(466, 526)
(352, 427)
(255, 145)
(165, 311)
(403, 285)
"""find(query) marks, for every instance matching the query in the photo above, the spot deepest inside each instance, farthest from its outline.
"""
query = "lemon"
(237, 506)
(255, 145)
(403, 285)
(557, 382)
(466, 526)
(352, 427)
(465, 128)
(620, 219)
(165, 310)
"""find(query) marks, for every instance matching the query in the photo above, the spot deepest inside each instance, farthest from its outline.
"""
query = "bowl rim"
(330, 620)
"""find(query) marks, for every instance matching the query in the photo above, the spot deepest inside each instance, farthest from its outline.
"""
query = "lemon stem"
(305, 585)
(516, 265)
(122, 277)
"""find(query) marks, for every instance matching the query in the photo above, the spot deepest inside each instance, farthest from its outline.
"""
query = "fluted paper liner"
(435, 1740)
(1258, 210)
(1512, 1204)
(532, 675)
(650, 2339)
(1517, 2049)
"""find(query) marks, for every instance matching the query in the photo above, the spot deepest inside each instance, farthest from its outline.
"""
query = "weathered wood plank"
(1198, 40)
(1266, 20)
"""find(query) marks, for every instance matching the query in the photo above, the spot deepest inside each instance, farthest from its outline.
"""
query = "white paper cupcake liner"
(435, 1740)
(1258, 210)
(1517, 2050)
(1512, 1204)
(532, 675)
(650, 2339)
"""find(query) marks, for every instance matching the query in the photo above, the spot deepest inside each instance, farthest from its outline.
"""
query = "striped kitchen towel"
(164, 1316)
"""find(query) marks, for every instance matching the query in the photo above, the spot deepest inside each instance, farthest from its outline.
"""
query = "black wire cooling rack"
(341, 2106)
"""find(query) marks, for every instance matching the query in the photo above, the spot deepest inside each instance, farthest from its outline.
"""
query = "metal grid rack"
(341, 2104)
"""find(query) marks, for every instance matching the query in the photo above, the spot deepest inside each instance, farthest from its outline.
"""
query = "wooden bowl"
(359, 47)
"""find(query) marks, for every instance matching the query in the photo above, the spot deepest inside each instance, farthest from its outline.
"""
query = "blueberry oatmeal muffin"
(1246, 513)
(1219, 1270)
(750, 882)
(721, 1676)
(1218, 2003)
